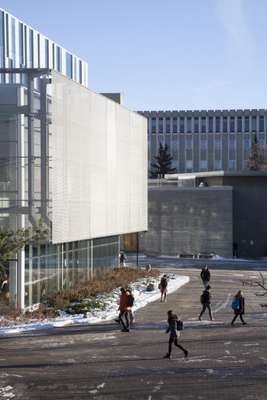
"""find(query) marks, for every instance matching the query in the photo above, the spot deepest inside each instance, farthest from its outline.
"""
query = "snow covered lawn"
(110, 306)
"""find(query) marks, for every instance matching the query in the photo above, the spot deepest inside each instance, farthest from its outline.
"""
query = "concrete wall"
(99, 165)
(189, 221)
(250, 215)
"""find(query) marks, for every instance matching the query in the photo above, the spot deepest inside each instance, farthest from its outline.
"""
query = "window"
(53, 55)
(247, 143)
(203, 142)
(174, 146)
(31, 48)
(225, 128)
(1, 38)
(203, 124)
(13, 39)
(196, 124)
(188, 165)
(189, 143)
(261, 140)
(254, 123)
(203, 165)
(181, 124)
(189, 124)
(58, 59)
(160, 125)
(174, 125)
(239, 124)
(153, 125)
(21, 45)
(80, 71)
(261, 123)
(232, 124)
(210, 124)
(218, 124)
(217, 164)
(46, 53)
(232, 164)
(69, 66)
(168, 125)
(218, 143)
(232, 142)
(246, 123)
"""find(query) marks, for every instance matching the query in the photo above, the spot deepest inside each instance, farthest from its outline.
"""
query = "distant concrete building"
(206, 140)
(211, 212)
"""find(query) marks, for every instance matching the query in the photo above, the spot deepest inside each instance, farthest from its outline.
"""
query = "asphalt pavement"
(101, 362)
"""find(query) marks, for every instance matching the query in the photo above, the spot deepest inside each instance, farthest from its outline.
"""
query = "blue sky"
(163, 55)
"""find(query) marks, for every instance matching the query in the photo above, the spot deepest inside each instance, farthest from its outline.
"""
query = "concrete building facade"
(206, 140)
(216, 212)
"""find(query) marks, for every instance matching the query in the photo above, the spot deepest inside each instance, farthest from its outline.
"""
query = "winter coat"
(123, 302)
(205, 275)
(172, 328)
(163, 283)
(205, 297)
(241, 309)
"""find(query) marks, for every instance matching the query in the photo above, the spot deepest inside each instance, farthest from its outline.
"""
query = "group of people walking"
(238, 303)
(126, 317)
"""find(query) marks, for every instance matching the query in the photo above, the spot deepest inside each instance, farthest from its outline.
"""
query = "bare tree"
(258, 283)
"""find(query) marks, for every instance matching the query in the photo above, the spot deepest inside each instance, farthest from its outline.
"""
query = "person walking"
(205, 276)
(123, 317)
(173, 338)
(122, 258)
(163, 288)
(238, 305)
(130, 306)
(205, 301)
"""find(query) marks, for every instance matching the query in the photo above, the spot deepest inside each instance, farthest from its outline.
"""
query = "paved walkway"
(100, 362)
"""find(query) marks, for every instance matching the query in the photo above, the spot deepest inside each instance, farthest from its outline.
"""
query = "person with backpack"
(163, 288)
(205, 276)
(123, 317)
(238, 306)
(205, 301)
(174, 328)
(130, 306)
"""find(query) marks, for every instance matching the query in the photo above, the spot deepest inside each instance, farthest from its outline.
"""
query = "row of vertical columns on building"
(222, 147)
(208, 124)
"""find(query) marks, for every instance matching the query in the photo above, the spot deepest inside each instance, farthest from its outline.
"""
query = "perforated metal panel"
(99, 165)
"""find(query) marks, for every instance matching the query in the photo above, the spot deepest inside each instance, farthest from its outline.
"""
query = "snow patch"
(142, 298)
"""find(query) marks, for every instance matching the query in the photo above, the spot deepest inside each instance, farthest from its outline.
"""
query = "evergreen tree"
(255, 159)
(163, 162)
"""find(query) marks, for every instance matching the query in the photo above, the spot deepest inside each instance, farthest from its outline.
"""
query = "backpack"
(179, 325)
(236, 304)
(130, 301)
(163, 283)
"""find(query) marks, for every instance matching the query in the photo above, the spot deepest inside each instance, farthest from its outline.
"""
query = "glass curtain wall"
(49, 268)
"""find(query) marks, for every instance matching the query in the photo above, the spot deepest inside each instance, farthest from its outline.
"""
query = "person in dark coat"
(173, 338)
(205, 276)
(238, 306)
(163, 288)
(205, 301)
(122, 258)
